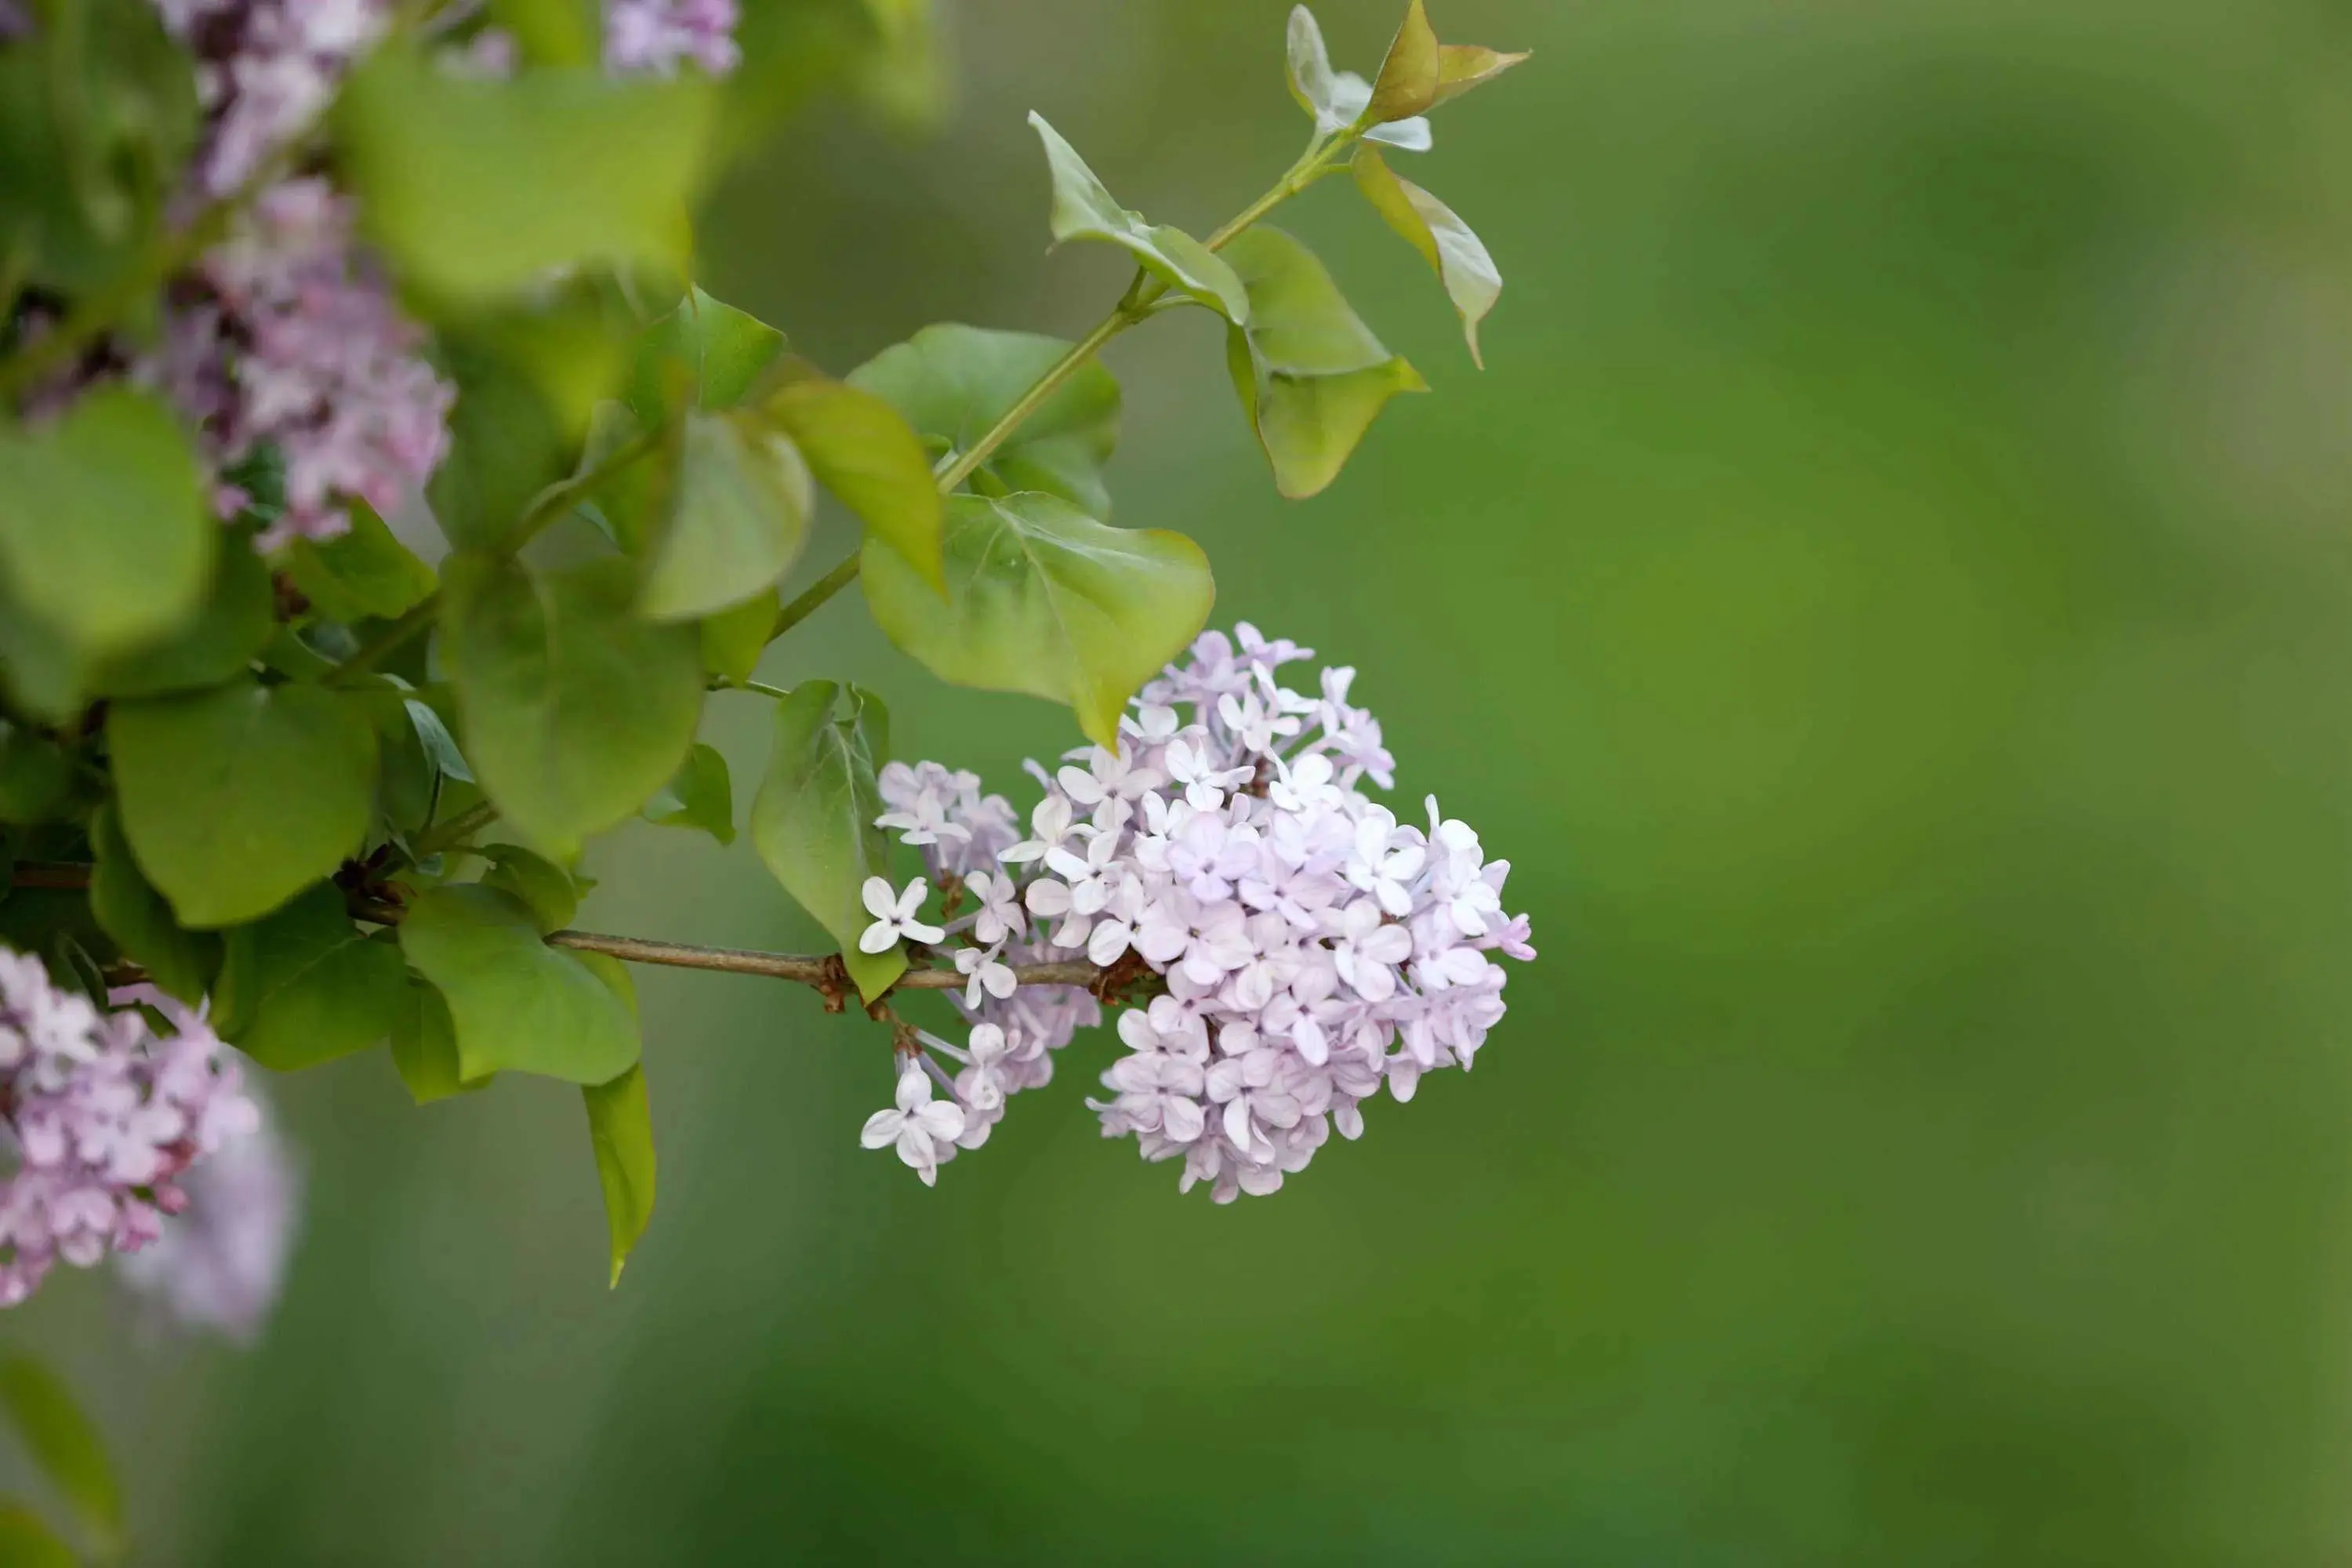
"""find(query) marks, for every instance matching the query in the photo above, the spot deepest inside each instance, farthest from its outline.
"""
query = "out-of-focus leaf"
(1085, 209)
(702, 796)
(127, 909)
(714, 350)
(104, 534)
(551, 32)
(1461, 67)
(953, 382)
(1455, 254)
(813, 819)
(236, 619)
(361, 574)
(480, 187)
(1310, 375)
(303, 986)
(440, 746)
(516, 1003)
(65, 1443)
(539, 884)
(738, 515)
(864, 452)
(575, 710)
(1043, 599)
(621, 1129)
(36, 775)
(26, 1542)
(1408, 79)
(236, 798)
(733, 639)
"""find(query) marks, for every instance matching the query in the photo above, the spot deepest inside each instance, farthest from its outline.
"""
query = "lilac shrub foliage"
(280, 784)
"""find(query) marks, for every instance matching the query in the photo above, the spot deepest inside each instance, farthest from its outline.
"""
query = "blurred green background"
(1888, 599)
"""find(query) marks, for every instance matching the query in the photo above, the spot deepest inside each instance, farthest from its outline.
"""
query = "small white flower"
(919, 1127)
(999, 915)
(896, 918)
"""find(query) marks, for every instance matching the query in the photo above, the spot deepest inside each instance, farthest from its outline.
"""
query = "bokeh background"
(1888, 599)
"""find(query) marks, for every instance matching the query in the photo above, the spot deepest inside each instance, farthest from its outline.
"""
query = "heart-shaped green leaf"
(954, 383)
(1085, 209)
(302, 986)
(361, 574)
(127, 908)
(814, 817)
(516, 1003)
(575, 710)
(235, 799)
(1043, 599)
(702, 796)
(1455, 254)
(479, 187)
(710, 348)
(425, 1048)
(1310, 375)
(237, 619)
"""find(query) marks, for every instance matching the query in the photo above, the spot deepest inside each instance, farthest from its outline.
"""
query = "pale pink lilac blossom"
(1314, 948)
(220, 1265)
(102, 1118)
(656, 37)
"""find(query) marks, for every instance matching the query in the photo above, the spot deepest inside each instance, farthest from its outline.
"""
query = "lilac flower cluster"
(219, 1265)
(1313, 948)
(655, 36)
(286, 336)
(103, 1116)
(265, 70)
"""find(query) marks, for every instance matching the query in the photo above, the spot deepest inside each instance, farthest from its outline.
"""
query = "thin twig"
(808, 968)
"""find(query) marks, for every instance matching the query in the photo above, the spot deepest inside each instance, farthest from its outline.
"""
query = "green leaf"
(506, 444)
(621, 1129)
(363, 574)
(237, 798)
(953, 382)
(701, 797)
(1461, 67)
(237, 619)
(1043, 599)
(425, 1048)
(516, 1003)
(104, 535)
(478, 187)
(575, 710)
(304, 986)
(813, 819)
(709, 347)
(66, 1445)
(1408, 82)
(733, 640)
(1084, 209)
(865, 453)
(440, 746)
(36, 776)
(1310, 375)
(739, 514)
(1338, 99)
(551, 32)
(181, 962)
(26, 1542)
(539, 884)
(1455, 254)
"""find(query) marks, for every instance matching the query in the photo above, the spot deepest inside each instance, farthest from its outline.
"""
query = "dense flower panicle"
(102, 1117)
(656, 37)
(286, 336)
(265, 70)
(219, 1265)
(1314, 948)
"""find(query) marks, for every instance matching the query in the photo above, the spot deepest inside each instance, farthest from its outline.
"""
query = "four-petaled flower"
(920, 1127)
(896, 918)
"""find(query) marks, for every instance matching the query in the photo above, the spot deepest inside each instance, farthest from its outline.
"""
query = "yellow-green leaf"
(621, 1129)
(1409, 76)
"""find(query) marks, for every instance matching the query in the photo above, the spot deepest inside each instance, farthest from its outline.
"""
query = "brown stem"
(808, 968)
